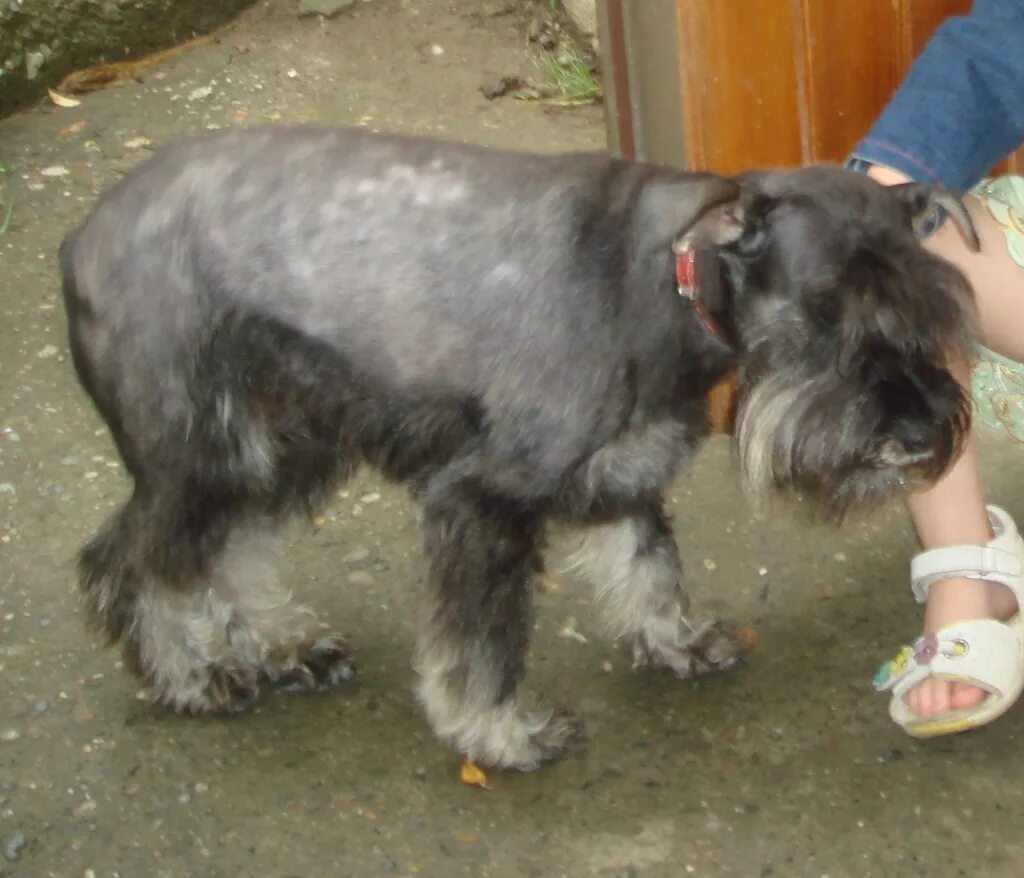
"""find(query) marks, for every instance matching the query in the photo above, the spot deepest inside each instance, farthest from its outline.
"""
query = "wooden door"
(725, 85)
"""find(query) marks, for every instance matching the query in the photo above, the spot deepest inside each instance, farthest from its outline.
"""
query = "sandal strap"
(1000, 560)
(982, 652)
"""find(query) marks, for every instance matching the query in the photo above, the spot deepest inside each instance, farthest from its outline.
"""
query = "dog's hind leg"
(633, 561)
(202, 618)
(483, 553)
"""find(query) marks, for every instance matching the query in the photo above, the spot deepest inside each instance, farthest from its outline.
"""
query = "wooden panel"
(740, 83)
(852, 61)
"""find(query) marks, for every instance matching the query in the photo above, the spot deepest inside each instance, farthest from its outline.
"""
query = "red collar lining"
(686, 285)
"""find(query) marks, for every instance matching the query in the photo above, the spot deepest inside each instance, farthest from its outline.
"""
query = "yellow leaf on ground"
(61, 100)
(473, 776)
(747, 637)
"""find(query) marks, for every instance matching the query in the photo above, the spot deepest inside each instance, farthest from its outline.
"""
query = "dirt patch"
(44, 40)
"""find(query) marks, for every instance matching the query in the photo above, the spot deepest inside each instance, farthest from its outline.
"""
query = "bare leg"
(952, 512)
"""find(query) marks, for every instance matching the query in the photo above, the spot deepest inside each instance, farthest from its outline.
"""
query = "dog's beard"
(808, 433)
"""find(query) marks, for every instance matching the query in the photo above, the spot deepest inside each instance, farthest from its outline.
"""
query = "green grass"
(569, 81)
(6, 197)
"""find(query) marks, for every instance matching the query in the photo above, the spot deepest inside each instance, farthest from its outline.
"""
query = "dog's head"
(843, 323)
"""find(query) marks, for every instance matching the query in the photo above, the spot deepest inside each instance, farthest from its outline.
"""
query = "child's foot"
(954, 600)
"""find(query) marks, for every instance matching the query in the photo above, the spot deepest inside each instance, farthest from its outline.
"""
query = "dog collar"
(686, 286)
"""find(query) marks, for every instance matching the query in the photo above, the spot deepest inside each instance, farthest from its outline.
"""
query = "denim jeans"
(960, 108)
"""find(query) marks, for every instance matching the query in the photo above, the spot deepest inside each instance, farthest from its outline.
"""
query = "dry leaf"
(62, 101)
(102, 75)
(72, 129)
(473, 776)
(746, 637)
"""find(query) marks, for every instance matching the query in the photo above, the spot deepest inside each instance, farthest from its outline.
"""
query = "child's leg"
(953, 511)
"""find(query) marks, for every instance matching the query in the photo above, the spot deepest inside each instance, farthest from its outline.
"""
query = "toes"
(963, 696)
(939, 697)
(934, 697)
(551, 742)
(330, 661)
(716, 647)
(325, 664)
(227, 690)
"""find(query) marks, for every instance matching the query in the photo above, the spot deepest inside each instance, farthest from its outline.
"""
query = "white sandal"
(986, 653)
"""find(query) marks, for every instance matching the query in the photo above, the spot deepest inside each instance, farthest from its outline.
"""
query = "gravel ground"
(786, 768)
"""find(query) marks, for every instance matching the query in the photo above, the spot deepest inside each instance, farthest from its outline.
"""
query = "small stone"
(55, 171)
(379, 566)
(184, 798)
(201, 787)
(606, 667)
(12, 436)
(10, 735)
(198, 94)
(710, 565)
(436, 50)
(356, 556)
(502, 87)
(41, 706)
(326, 8)
(70, 460)
(87, 807)
(7, 488)
(840, 557)
(14, 846)
(370, 498)
(48, 351)
(361, 578)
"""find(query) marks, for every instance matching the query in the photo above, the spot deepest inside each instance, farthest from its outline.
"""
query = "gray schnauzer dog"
(255, 313)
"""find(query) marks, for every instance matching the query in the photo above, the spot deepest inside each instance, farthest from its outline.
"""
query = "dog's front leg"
(634, 564)
(483, 553)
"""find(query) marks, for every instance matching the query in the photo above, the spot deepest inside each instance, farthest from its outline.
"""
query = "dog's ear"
(922, 201)
(702, 208)
(925, 415)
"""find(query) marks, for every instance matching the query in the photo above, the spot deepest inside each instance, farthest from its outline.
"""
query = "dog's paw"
(712, 648)
(549, 743)
(212, 690)
(325, 664)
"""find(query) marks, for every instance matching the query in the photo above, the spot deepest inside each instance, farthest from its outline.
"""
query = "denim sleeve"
(960, 108)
